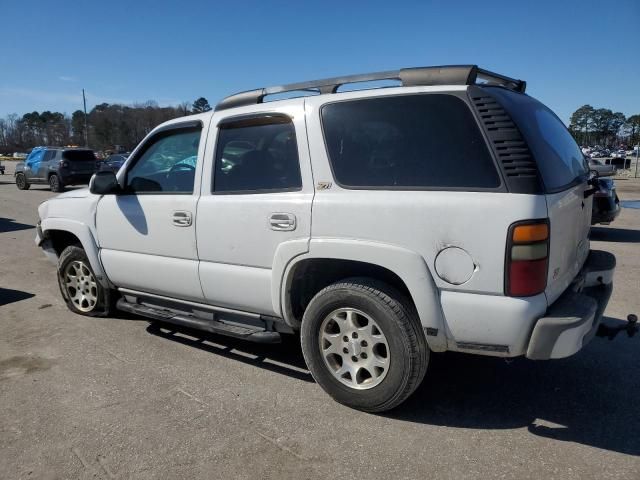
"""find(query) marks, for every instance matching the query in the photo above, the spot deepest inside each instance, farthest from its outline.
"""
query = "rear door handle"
(282, 222)
(181, 218)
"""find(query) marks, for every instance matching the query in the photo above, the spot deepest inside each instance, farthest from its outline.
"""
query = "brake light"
(64, 163)
(527, 259)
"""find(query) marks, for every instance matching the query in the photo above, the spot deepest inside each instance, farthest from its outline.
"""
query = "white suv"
(451, 212)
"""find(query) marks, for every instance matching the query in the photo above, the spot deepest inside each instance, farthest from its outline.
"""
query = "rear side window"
(407, 142)
(50, 155)
(79, 155)
(559, 159)
(254, 156)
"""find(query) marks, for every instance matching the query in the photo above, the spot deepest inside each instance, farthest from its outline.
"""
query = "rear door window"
(257, 156)
(407, 142)
(559, 159)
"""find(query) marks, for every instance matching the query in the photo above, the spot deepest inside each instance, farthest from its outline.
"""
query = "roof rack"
(409, 77)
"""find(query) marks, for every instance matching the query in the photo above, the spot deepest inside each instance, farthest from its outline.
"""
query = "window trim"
(461, 95)
(254, 120)
(578, 180)
(141, 150)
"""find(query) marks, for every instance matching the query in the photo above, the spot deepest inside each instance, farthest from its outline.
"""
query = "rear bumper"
(572, 320)
(76, 178)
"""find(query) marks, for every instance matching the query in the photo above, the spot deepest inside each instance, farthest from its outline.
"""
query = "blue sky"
(570, 52)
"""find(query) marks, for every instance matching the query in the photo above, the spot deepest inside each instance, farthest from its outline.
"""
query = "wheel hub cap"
(354, 349)
(81, 286)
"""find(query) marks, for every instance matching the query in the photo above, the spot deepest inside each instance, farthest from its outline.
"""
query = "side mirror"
(104, 183)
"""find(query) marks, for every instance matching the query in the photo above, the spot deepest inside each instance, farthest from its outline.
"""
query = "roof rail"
(409, 77)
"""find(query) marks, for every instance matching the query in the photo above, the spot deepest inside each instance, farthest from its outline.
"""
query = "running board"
(251, 333)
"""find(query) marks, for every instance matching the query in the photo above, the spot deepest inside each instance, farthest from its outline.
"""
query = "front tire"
(80, 290)
(55, 183)
(21, 182)
(364, 345)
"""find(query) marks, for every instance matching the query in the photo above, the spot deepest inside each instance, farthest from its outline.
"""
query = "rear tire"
(21, 182)
(55, 183)
(80, 289)
(364, 345)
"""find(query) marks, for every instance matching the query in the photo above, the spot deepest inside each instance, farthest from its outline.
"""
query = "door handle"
(282, 222)
(181, 218)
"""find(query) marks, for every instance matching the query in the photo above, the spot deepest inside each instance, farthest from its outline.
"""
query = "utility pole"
(86, 130)
(637, 154)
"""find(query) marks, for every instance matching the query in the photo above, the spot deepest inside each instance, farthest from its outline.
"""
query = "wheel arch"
(64, 232)
(331, 260)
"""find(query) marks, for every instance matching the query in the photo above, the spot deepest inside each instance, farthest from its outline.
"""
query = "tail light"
(64, 163)
(527, 258)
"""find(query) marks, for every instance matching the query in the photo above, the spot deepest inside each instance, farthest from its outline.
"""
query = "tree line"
(603, 127)
(110, 126)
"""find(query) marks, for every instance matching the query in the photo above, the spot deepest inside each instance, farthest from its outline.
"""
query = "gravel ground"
(118, 398)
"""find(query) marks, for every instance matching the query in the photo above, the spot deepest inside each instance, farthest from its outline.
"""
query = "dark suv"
(57, 167)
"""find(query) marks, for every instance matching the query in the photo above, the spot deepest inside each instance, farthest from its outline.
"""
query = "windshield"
(559, 159)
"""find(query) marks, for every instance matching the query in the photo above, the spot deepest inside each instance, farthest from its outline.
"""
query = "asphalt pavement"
(121, 398)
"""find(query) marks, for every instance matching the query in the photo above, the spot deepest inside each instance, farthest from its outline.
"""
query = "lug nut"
(354, 358)
(355, 335)
(345, 338)
(364, 355)
(364, 343)
(345, 350)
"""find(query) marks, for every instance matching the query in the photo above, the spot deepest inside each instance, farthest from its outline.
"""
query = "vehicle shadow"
(10, 225)
(284, 358)
(130, 207)
(624, 235)
(8, 295)
(588, 398)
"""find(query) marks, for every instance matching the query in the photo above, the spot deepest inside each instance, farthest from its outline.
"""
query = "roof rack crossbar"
(420, 76)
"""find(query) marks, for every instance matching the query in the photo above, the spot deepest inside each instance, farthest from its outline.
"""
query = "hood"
(76, 193)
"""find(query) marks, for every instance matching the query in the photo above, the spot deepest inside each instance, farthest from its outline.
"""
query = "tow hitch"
(631, 327)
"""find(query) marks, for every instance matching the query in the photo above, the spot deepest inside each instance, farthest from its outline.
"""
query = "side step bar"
(251, 333)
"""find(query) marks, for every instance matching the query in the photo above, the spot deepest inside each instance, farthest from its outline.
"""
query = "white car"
(381, 224)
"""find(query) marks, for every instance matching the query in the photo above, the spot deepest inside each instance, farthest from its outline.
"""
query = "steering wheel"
(181, 166)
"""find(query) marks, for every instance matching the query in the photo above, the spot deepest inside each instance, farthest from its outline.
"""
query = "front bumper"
(573, 319)
(605, 209)
(45, 243)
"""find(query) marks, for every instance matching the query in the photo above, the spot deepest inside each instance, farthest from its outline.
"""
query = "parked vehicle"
(113, 162)
(621, 162)
(1, 168)
(56, 167)
(382, 224)
(602, 169)
(606, 204)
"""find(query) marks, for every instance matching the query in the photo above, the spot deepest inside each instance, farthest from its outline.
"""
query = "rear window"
(407, 142)
(79, 155)
(560, 160)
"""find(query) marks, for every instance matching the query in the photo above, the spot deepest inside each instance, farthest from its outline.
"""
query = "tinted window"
(50, 155)
(260, 157)
(167, 163)
(79, 155)
(411, 141)
(560, 160)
